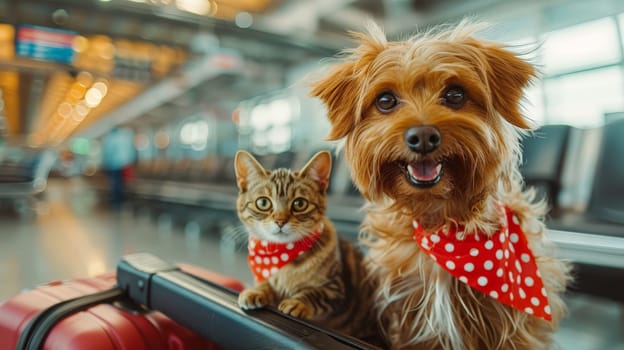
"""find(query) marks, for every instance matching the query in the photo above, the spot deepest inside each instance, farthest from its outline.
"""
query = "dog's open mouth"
(424, 173)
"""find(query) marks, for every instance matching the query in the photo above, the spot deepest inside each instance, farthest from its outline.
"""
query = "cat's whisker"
(233, 237)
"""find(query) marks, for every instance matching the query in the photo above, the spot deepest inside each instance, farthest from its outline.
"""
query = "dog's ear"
(246, 166)
(507, 76)
(338, 91)
(341, 89)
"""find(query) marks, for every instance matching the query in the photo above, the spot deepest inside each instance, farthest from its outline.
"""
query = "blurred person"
(118, 155)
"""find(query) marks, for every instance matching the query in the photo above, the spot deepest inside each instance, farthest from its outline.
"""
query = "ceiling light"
(76, 92)
(101, 87)
(84, 78)
(93, 97)
(7, 32)
(243, 19)
(60, 17)
(80, 43)
(198, 7)
(65, 110)
(80, 111)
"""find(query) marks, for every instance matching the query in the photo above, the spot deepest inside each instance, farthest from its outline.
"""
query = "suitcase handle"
(213, 311)
(34, 335)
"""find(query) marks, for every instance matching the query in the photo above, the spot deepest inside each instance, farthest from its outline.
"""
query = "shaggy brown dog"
(431, 129)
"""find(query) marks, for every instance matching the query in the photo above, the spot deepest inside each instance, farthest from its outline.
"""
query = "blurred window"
(621, 22)
(195, 134)
(583, 76)
(534, 103)
(582, 99)
(581, 46)
(267, 127)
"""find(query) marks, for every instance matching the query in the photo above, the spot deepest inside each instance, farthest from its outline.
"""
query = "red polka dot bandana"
(501, 266)
(266, 258)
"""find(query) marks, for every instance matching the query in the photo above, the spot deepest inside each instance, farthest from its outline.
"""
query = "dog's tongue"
(425, 170)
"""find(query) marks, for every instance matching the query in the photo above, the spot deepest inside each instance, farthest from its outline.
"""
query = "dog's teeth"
(413, 172)
(424, 171)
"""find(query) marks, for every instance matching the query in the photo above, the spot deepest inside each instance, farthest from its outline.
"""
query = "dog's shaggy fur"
(420, 305)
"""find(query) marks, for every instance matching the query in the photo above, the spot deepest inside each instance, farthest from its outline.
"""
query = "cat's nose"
(280, 223)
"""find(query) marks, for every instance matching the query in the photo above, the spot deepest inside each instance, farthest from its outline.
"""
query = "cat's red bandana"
(266, 258)
(501, 266)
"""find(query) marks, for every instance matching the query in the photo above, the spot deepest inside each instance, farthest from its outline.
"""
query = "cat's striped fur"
(328, 283)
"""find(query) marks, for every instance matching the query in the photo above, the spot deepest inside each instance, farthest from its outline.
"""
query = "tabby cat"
(299, 262)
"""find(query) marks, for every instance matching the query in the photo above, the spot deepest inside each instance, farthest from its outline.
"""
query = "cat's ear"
(319, 168)
(246, 166)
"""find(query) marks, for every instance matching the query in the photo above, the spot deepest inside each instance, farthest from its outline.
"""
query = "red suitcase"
(89, 314)
(103, 326)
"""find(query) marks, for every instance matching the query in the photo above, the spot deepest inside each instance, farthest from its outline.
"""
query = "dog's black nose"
(422, 139)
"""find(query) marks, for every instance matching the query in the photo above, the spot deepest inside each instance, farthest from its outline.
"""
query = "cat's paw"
(250, 299)
(295, 308)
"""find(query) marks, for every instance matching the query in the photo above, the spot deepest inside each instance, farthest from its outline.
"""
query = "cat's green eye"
(263, 203)
(299, 204)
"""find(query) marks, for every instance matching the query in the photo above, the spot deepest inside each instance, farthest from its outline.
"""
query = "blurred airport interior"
(119, 120)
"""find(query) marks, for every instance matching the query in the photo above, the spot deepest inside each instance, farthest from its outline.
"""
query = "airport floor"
(71, 235)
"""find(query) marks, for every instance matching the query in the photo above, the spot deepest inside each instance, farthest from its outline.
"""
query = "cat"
(299, 262)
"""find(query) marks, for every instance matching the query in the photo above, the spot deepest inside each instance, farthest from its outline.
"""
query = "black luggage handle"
(34, 335)
(213, 312)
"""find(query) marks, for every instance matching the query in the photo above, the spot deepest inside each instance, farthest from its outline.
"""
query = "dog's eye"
(386, 102)
(454, 97)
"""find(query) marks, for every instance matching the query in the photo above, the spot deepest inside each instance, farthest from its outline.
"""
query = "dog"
(430, 129)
